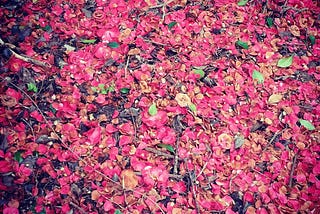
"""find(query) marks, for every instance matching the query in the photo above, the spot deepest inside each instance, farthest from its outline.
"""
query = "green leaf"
(17, 156)
(269, 21)
(258, 76)
(199, 71)
(239, 141)
(94, 89)
(47, 28)
(193, 107)
(32, 87)
(104, 91)
(35, 153)
(117, 212)
(171, 24)
(312, 39)
(285, 62)
(242, 2)
(101, 86)
(153, 109)
(124, 90)
(88, 41)
(166, 146)
(242, 44)
(307, 124)
(113, 44)
(111, 89)
(52, 109)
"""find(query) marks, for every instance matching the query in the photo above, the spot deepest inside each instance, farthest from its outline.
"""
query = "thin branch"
(26, 122)
(293, 166)
(176, 158)
(272, 139)
(161, 5)
(31, 60)
(157, 152)
(24, 57)
(78, 208)
(194, 194)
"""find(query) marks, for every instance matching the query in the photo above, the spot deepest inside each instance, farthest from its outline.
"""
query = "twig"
(76, 206)
(293, 166)
(206, 163)
(153, 42)
(31, 60)
(157, 152)
(24, 57)
(194, 194)
(126, 67)
(163, 8)
(161, 5)
(34, 136)
(272, 139)
(176, 158)
(295, 9)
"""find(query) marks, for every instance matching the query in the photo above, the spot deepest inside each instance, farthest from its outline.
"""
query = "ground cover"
(112, 106)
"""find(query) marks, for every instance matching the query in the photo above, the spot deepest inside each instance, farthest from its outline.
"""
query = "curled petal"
(183, 100)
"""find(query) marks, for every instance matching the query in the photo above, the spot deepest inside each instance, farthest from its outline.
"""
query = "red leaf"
(179, 187)
(126, 129)
(65, 189)
(155, 121)
(95, 135)
(107, 206)
(124, 140)
(316, 169)
(5, 166)
(36, 115)
(10, 210)
(13, 93)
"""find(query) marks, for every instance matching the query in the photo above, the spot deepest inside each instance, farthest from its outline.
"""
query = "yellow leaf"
(176, 211)
(129, 179)
(95, 195)
(183, 100)
(275, 98)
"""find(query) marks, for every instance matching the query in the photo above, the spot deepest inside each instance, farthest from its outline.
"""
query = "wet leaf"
(312, 39)
(307, 124)
(242, 44)
(32, 87)
(199, 71)
(171, 24)
(113, 44)
(166, 146)
(285, 62)
(275, 98)
(117, 212)
(269, 21)
(18, 157)
(193, 107)
(88, 41)
(153, 109)
(47, 28)
(124, 90)
(242, 2)
(258, 76)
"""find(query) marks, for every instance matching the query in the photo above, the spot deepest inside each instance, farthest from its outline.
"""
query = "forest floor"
(145, 106)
